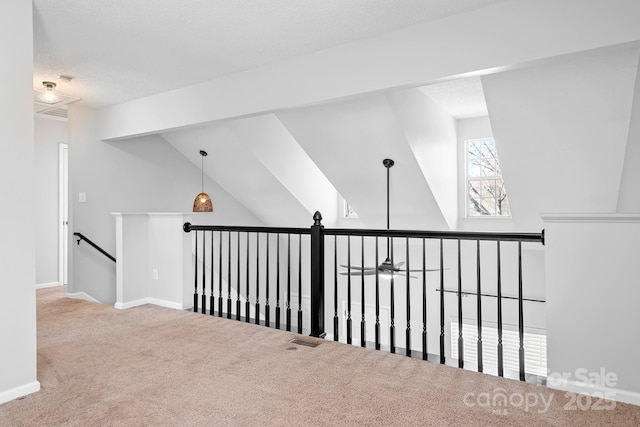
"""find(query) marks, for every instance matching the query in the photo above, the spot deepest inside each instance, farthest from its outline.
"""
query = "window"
(535, 348)
(348, 211)
(486, 193)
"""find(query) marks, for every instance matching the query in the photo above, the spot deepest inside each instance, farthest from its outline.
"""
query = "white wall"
(17, 251)
(592, 300)
(49, 134)
(561, 130)
(143, 175)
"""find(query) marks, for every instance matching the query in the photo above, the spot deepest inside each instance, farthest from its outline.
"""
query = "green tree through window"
(486, 193)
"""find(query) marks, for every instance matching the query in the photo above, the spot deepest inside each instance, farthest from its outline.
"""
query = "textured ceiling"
(462, 98)
(121, 49)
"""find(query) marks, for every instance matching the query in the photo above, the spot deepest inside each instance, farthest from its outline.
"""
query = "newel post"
(317, 277)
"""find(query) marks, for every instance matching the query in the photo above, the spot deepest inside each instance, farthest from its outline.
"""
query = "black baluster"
(500, 351)
(289, 282)
(520, 315)
(335, 289)
(195, 275)
(212, 304)
(442, 354)
(278, 281)
(257, 320)
(363, 336)
(392, 326)
(220, 276)
(267, 310)
(460, 339)
(479, 303)
(300, 284)
(377, 326)
(247, 303)
(408, 333)
(424, 300)
(229, 276)
(238, 280)
(349, 337)
(204, 272)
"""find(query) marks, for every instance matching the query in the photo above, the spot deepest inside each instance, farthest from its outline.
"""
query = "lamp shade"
(202, 203)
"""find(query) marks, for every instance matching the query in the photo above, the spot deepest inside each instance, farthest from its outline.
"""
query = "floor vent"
(303, 342)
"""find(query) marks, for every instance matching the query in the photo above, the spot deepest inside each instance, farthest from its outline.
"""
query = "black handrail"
(102, 251)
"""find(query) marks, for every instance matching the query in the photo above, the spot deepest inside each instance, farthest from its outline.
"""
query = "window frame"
(467, 179)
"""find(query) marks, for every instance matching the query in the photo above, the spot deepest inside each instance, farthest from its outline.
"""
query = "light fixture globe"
(202, 202)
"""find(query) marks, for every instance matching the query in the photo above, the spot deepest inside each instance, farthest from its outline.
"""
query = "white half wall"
(592, 293)
(17, 246)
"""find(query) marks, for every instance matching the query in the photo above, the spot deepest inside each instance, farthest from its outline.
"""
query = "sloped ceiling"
(561, 130)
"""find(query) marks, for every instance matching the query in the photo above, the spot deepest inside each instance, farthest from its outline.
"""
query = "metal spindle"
(278, 281)
(363, 331)
(349, 337)
(195, 289)
(247, 303)
(204, 272)
(212, 298)
(408, 333)
(229, 276)
(257, 320)
(267, 310)
(460, 339)
(479, 309)
(520, 315)
(424, 300)
(300, 284)
(377, 326)
(500, 351)
(392, 326)
(220, 275)
(289, 282)
(335, 289)
(442, 355)
(238, 280)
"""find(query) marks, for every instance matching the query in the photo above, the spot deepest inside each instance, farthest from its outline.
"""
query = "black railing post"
(317, 277)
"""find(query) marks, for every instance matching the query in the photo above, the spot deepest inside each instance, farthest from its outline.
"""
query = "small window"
(486, 193)
(349, 212)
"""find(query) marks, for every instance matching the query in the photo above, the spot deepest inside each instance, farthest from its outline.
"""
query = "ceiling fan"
(385, 268)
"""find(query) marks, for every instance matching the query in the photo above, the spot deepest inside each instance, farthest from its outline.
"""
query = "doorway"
(63, 212)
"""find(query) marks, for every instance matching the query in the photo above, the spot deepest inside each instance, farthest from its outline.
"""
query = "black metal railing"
(424, 253)
(245, 262)
(81, 237)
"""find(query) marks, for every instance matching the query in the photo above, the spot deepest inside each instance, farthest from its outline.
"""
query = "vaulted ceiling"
(299, 102)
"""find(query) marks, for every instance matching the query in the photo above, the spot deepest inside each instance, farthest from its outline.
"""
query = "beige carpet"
(159, 367)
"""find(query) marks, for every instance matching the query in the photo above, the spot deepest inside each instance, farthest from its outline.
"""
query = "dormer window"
(486, 192)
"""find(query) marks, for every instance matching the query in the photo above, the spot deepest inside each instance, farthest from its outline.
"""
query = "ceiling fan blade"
(357, 267)
(419, 270)
(402, 273)
(398, 265)
(360, 273)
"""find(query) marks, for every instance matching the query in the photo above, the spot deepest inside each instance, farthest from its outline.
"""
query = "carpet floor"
(153, 366)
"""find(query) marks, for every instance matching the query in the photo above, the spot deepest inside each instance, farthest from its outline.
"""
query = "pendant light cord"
(202, 172)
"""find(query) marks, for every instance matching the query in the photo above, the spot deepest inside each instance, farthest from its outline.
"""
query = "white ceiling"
(121, 49)
(461, 98)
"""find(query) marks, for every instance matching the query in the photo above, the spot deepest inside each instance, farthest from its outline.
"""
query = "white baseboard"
(148, 300)
(20, 391)
(82, 296)
(615, 394)
(47, 285)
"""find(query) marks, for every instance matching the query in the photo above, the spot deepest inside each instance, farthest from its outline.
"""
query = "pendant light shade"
(202, 202)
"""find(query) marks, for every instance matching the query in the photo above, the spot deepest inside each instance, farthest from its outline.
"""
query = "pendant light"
(202, 202)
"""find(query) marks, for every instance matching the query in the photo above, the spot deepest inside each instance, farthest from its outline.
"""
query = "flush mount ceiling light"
(202, 202)
(49, 96)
